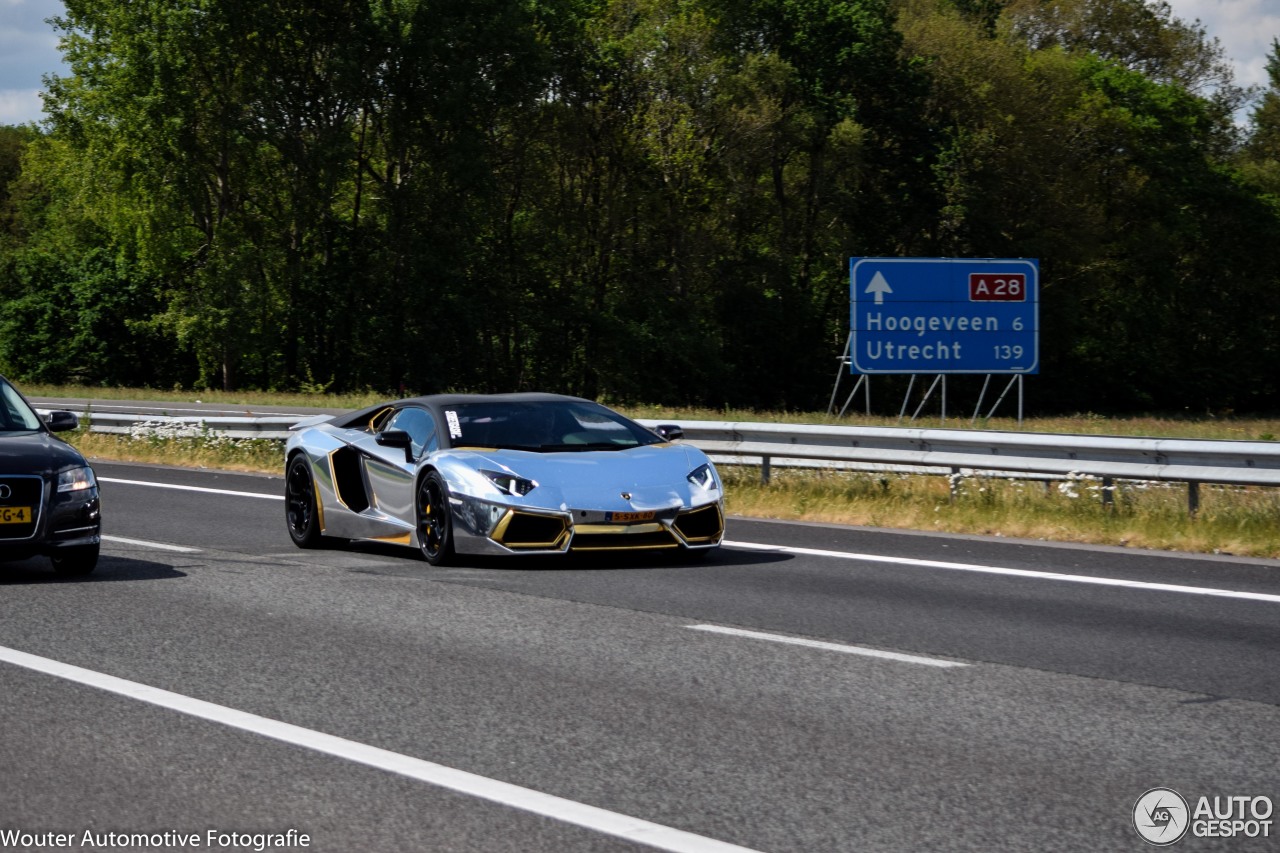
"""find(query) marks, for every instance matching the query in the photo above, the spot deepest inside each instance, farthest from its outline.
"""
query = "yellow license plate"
(630, 516)
(15, 515)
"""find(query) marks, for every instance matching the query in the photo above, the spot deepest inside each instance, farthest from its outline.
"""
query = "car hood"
(655, 476)
(36, 453)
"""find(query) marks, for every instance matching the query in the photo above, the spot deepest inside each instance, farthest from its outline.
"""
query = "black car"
(48, 493)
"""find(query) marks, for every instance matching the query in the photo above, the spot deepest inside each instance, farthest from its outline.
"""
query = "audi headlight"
(704, 477)
(76, 479)
(510, 484)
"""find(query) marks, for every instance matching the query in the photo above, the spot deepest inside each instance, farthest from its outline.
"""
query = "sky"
(29, 48)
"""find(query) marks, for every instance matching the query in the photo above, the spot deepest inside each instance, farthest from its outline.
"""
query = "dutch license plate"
(15, 515)
(631, 516)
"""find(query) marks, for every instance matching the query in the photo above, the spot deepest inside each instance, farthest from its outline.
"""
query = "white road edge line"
(832, 647)
(504, 793)
(191, 488)
(1017, 573)
(144, 543)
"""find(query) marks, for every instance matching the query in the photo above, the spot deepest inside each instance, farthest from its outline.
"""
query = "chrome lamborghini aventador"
(499, 474)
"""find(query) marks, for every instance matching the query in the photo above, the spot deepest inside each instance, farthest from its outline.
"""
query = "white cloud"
(30, 51)
(19, 106)
(1246, 29)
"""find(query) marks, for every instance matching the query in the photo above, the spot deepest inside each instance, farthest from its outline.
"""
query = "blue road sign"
(945, 315)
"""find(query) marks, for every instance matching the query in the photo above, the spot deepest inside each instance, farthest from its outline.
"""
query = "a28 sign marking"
(1003, 287)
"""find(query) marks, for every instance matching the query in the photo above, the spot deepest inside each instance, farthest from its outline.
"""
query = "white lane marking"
(191, 488)
(1017, 573)
(504, 793)
(833, 647)
(182, 549)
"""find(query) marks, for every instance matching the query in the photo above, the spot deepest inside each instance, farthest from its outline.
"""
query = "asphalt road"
(948, 693)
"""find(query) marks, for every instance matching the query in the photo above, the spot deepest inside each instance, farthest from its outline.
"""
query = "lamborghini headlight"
(703, 477)
(510, 484)
(76, 479)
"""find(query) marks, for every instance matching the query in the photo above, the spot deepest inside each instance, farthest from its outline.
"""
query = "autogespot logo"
(1161, 817)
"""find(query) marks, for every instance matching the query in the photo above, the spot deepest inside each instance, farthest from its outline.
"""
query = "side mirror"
(61, 421)
(670, 432)
(397, 438)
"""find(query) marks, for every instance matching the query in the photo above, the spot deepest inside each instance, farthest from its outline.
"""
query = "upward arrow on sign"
(879, 287)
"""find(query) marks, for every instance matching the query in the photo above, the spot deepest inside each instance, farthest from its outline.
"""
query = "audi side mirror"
(61, 421)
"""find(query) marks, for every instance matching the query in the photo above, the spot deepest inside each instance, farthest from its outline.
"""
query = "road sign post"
(944, 315)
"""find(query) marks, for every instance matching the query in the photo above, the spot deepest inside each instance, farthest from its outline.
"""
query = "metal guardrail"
(1162, 459)
(928, 451)
(976, 452)
(269, 427)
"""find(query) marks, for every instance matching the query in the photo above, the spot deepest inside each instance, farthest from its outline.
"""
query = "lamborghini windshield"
(15, 414)
(543, 426)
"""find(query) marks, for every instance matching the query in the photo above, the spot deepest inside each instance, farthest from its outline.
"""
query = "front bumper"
(485, 528)
(63, 520)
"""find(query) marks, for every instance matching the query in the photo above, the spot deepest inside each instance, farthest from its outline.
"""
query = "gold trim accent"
(621, 537)
(663, 547)
(500, 529)
(315, 491)
(402, 539)
(333, 478)
(620, 529)
(378, 414)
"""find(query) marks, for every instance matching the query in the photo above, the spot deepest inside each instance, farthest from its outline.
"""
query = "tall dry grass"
(1231, 520)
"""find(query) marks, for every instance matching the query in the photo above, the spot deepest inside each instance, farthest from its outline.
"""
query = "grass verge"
(262, 456)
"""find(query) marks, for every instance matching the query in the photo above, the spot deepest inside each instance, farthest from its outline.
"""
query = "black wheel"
(77, 561)
(300, 504)
(435, 525)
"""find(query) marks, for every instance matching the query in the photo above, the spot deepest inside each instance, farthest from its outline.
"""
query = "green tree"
(1141, 35)
(74, 308)
(620, 273)
(1261, 155)
(1169, 303)
(13, 144)
(830, 160)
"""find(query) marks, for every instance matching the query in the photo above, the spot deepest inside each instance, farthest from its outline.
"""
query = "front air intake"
(524, 530)
(701, 526)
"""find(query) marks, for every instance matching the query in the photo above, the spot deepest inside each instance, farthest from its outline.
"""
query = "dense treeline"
(642, 200)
